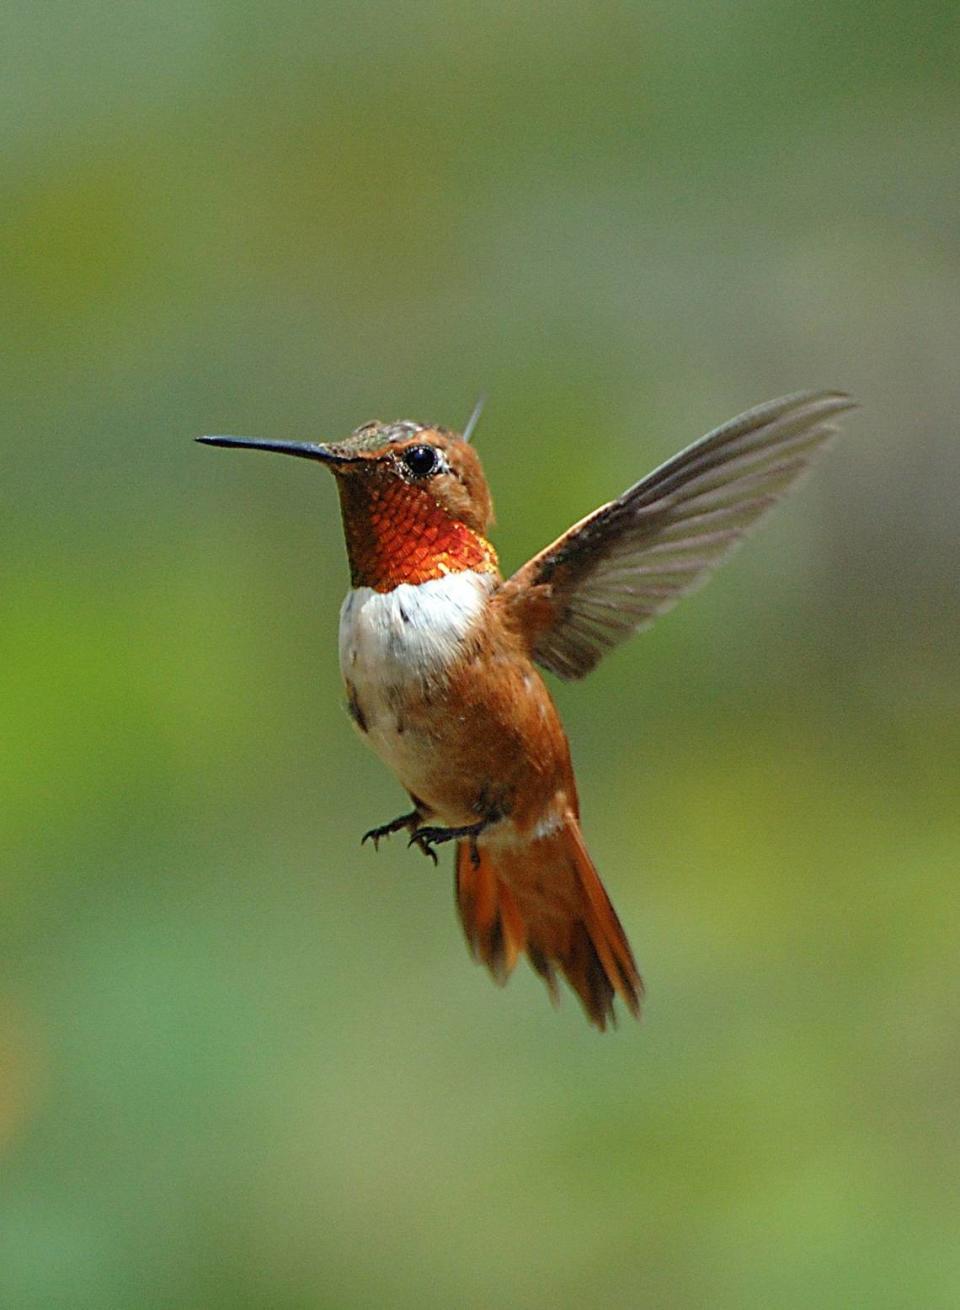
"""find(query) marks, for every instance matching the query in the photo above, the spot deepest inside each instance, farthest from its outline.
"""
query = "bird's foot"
(408, 821)
(427, 838)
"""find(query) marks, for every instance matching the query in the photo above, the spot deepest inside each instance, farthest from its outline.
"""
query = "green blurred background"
(243, 1062)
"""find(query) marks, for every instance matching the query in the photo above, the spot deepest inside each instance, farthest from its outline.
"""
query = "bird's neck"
(397, 533)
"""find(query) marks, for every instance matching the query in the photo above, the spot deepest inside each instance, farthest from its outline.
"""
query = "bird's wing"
(619, 568)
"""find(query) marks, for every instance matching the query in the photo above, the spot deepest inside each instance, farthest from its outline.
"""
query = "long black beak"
(305, 449)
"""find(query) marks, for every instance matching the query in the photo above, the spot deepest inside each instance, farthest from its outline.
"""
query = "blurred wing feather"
(618, 569)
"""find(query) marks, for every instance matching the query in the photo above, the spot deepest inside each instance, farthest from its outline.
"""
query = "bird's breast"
(397, 650)
(415, 631)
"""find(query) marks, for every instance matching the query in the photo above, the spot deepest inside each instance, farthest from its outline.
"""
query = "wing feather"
(618, 569)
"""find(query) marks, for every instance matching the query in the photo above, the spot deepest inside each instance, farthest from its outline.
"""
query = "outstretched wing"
(619, 568)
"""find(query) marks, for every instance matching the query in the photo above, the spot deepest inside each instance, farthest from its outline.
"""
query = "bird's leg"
(427, 838)
(408, 821)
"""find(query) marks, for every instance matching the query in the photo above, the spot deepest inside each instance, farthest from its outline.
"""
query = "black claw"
(395, 825)
(427, 838)
(423, 845)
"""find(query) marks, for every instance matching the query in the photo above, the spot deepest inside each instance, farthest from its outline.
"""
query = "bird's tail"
(546, 898)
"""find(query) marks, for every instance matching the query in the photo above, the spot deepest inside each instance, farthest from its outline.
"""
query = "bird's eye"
(421, 460)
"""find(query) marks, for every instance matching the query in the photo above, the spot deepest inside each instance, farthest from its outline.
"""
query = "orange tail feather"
(546, 897)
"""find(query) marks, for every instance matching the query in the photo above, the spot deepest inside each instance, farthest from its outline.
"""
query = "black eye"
(421, 460)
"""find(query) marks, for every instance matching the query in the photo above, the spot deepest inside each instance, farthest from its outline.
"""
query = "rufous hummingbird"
(439, 656)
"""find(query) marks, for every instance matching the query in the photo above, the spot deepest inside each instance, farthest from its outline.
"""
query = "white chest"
(389, 642)
(388, 638)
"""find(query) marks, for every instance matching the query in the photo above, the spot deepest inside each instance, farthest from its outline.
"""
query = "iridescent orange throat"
(396, 533)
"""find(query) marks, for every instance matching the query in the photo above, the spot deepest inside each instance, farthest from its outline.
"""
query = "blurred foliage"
(244, 1063)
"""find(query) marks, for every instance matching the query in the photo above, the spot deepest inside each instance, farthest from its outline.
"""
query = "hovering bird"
(439, 656)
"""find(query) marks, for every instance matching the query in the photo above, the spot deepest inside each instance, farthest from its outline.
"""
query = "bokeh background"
(243, 1062)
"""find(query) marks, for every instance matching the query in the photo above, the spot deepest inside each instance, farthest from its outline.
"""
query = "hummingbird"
(441, 656)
